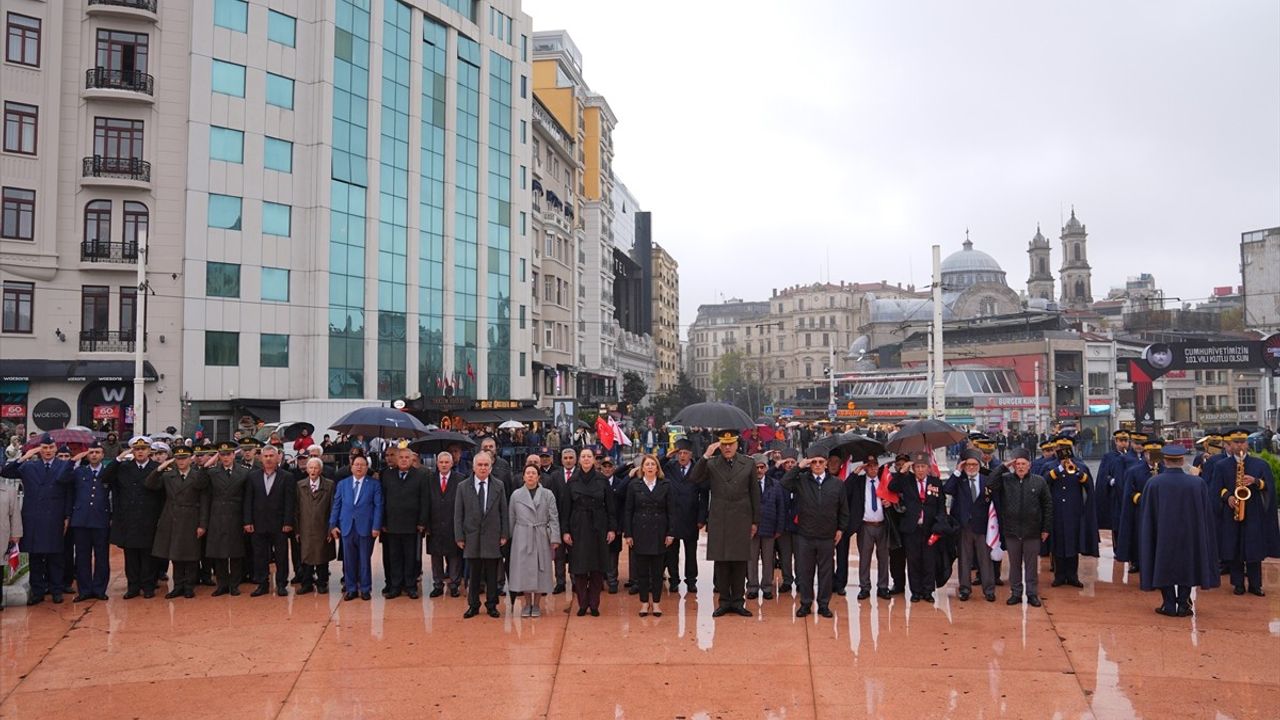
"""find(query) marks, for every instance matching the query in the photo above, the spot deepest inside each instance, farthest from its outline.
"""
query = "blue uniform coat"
(1075, 518)
(91, 500)
(46, 502)
(1109, 484)
(1177, 546)
(1258, 537)
(1130, 529)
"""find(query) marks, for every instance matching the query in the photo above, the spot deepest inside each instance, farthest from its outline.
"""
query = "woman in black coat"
(646, 523)
(588, 520)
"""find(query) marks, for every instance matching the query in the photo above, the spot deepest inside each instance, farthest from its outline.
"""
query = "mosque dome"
(969, 267)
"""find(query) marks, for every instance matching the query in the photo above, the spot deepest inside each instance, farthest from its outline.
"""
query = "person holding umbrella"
(923, 505)
(733, 519)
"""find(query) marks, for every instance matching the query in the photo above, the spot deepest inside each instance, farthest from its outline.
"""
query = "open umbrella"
(511, 425)
(793, 424)
(293, 430)
(714, 415)
(852, 445)
(438, 440)
(924, 435)
(380, 421)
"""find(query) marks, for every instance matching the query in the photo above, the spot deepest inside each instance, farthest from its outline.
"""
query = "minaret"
(1076, 275)
(1040, 284)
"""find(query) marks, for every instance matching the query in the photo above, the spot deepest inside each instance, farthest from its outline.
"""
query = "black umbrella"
(713, 415)
(439, 440)
(380, 421)
(851, 445)
(924, 434)
(293, 430)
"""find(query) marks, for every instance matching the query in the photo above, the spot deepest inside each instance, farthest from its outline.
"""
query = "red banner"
(13, 411)
(106, 412)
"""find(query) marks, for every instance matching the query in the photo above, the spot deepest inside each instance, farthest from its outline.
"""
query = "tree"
(733, 382)
(633, 388)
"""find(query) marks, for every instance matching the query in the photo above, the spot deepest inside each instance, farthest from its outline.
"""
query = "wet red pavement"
(1099, 652)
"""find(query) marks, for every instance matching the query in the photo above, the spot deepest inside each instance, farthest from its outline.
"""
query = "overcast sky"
(763, 135)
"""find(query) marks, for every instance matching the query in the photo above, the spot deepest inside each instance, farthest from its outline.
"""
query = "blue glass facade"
(466, 217)
(498, 274)
(393, 201)
(435, 60)
(348, 199)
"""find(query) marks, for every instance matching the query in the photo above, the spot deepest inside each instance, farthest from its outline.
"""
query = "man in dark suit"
(480, 528)
(823, 512)
(355, 520)
(970, 493)
(135, 512)
(446, 559)
(618, 481)
(922, 505)
(404, 492)
(868, 520)
(270, 504)
(555, 480)
(689, 503)
(501, 468)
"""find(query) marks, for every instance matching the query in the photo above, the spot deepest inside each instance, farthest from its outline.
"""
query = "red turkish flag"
(604, 432)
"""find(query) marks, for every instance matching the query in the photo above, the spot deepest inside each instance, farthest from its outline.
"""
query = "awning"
(483, 417)
(73, 370)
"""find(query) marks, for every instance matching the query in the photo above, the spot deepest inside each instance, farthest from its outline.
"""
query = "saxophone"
(1069, 466)
(1242, 492)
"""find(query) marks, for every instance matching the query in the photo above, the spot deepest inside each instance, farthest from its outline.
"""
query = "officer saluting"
(1248, 528)
(1177, 544)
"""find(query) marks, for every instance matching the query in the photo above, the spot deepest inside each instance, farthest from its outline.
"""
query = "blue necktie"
(875, 505)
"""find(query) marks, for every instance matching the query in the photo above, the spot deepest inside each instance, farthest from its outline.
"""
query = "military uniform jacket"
(1130, 525)
(135, 509)
(1075, 515)
(91, 501)
(735, 505)
(1258, 537)
(312, 529)
(46, 502)
(406, 501)
(186, 507)
(224, 536)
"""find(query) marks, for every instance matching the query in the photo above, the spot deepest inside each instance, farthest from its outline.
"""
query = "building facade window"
(226, 144)
(222, 280)
(273, 351)
(95, 310)
(1247, 399)
(21, 125)
(281, 28)
(136, 222)
(19, 300)
(278, 154)
(117, 138)
(224, 211)
(123, 53)
(221, 349)
(231, 14)
(18, 220)
(228, 78)
(22, 40)
(97, 225)
(275, 284)
(280, 91)
(276, 219)
(431, 211)
(129, 310)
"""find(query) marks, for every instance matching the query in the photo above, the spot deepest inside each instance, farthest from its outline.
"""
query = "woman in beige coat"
(535, 535)
(10, 525)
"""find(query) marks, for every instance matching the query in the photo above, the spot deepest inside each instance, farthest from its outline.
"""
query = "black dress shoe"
(840, 591)
(260, 591)
(436, 592)
(470, 613)
(188, 593)
(1239, 590)
(1034, 600)
(739, 609)
(753, 595)
(582, 612)
(413, 594)
(989, 597)
(131, 594)
(220, 592)
(768, 594)
(235, 591)
(323, 588)
(692, 587)
(392, 595)
(673, 588)
(174, 593)
(634, 589)
(34, 600)
(349, 596)
(883, 594)
(101, 596)
(1168, 612)
(366, 596)
(825, 611)
(148, 594)
(493, 612)
(81, 598)
(927, 597)
(963, 594)
(613, 589)
(1075, 583)
(898, 591)
(454, 592)
(1013, 600)
(1057, 582)
(1185, 611)
(864, 594)
(802, 611)
(305, 590)
(557, 590)
(1252, 591)
(57, 599)
(915, 598)
(283, 591)
(720, 611)
(595, 612)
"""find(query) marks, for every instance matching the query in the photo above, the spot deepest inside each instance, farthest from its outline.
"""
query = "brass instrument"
(1069, 466)
(1242, 492)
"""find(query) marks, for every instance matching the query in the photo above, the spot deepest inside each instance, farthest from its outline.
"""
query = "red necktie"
(444, 483)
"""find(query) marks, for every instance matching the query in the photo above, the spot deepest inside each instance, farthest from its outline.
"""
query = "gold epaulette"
(1135, 497)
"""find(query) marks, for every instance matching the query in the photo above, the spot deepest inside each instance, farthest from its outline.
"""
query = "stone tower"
(1040, 283)
(1076, 275)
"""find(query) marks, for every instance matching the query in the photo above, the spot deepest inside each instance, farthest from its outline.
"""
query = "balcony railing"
(109, 252)
(147, 5)
(108, 79)
(114, 167)
(107, 340)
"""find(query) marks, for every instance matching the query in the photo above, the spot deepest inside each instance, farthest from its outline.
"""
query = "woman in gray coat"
(10, 525)
(535, 535)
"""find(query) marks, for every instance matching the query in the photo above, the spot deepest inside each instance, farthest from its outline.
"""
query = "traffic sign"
(768, 409)
(787, 412)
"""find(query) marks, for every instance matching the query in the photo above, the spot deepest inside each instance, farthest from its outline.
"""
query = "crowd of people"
(239, 511)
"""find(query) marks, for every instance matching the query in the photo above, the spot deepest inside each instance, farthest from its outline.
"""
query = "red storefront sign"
(13, 411)
(106, 412)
